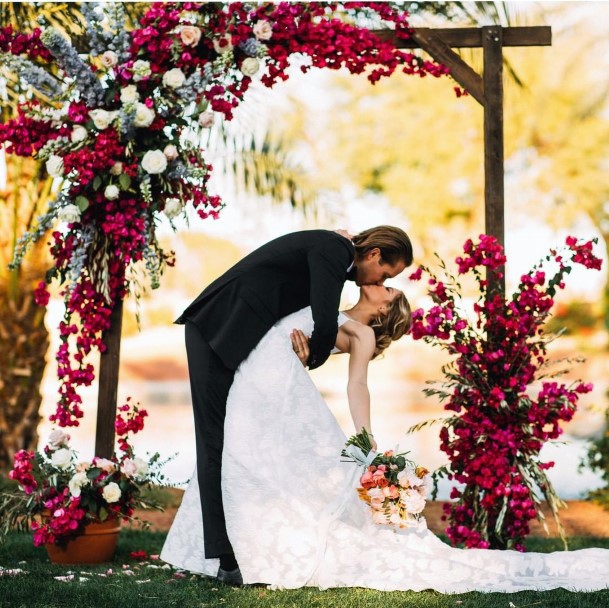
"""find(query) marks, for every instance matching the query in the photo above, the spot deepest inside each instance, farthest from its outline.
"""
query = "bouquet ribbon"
(358, 455)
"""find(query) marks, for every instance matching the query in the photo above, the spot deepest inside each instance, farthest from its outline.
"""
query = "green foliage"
(598, 460)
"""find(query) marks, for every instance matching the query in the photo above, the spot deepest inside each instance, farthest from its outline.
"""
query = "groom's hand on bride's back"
(300, 344)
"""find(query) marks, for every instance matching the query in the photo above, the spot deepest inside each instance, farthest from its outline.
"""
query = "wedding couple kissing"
(271, 501)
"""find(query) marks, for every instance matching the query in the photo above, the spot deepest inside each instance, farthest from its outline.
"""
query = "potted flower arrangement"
(68, 502)
(497, 426)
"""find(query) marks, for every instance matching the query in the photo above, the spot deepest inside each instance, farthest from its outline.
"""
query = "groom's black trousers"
(210, 381)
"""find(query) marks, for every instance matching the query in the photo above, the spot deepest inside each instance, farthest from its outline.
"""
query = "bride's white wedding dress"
(293, 515)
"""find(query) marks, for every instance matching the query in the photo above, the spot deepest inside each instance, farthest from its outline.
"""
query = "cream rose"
(206, 119)
(249, 66)
(190, 35)
(101, 118)
(116, 169)
(57, 437)
(111, 192)
(109, 59)
(174, 78)
(144, 116)
(111, 492)
(69, 213)
(79, 133)
(154, 161)
(77, 482)
(223, 44)
(173, 207)
(170, 152)
(62, 458)
(262, 30)
(413, 502)
(141, 69)
(54, 165)
(129, 94)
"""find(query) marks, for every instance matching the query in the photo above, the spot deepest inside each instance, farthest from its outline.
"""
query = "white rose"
(412, 501)
(129, 94)
(408, 479)
(174, 78)
(101, 118)
(206, 119)
(190, 35)
(116, 169)
(141, 69)
(55, 165)
(154, 161)
(109, 59)
(111, 492)
(69, 213)
(144, 116)
(173, 207)
(170, 152)
(62, 458)
(111, 192)
(79, 133)
(262, 30)
(223, 44)
(77, 482)
(58, 437)
(249, 66)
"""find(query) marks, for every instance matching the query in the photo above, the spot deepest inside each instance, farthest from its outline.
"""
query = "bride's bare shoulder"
(359, 332)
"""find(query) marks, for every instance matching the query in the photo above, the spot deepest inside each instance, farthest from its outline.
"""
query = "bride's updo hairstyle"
(392, 325)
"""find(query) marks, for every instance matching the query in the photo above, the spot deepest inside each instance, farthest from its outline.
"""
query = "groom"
(228, 319)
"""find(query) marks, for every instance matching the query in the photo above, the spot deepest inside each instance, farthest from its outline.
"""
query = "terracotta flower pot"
(95, 545)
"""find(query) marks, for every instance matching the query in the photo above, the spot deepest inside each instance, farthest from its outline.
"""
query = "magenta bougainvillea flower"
(499, 422)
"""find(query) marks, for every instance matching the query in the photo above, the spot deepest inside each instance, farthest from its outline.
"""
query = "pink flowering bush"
(57, 494)
(122, 130)
(498, 424)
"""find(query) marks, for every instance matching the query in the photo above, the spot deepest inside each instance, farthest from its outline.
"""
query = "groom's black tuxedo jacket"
(291, 272)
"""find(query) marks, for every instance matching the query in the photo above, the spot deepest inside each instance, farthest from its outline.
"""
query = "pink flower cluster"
(66, 519)
(498, 428)
(129, 420)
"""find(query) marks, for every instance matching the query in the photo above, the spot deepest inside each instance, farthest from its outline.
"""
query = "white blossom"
(117, 168)
(61, 458)
(141, 69)
(173, 207)
(111, 192)
(79, 133)
(144, 116)
(102, 119)
(57, 437)
(77, 482)
(154, 162)
(111, 492)
(129, 94)
(170, 152)
(262, 30)
(54, 165)
(249, 66)
(69, 213)
(174, 78)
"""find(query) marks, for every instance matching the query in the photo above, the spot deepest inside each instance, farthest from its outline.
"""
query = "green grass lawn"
(140, 585)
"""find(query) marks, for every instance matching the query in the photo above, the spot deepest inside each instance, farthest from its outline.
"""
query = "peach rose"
(391, 491)
(262, 30)
(190, 35)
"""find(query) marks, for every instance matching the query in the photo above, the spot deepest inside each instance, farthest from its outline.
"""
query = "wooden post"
(492, 77)
(108, 384)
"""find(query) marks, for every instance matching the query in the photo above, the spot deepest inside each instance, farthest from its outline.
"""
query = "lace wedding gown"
(293, 515)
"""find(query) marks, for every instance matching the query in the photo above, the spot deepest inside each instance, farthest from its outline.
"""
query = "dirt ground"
(580, 518)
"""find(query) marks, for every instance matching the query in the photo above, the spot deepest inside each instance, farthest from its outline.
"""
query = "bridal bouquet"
(393, 486)
(57, 493)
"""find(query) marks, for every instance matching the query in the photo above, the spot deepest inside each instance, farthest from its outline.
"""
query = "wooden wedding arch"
(485, 88)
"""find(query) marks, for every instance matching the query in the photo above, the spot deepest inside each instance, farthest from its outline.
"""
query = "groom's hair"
(393, 243)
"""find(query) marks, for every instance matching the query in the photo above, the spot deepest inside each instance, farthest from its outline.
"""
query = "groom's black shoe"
(230, 577)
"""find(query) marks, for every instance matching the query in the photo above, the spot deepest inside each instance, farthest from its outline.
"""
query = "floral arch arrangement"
(119, 126)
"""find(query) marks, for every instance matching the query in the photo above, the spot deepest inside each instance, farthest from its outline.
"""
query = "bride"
(292, 512)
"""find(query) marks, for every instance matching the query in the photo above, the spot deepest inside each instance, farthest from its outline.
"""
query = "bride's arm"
(362, 345)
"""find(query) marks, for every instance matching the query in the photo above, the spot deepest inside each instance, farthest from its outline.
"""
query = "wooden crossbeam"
(471, 37)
